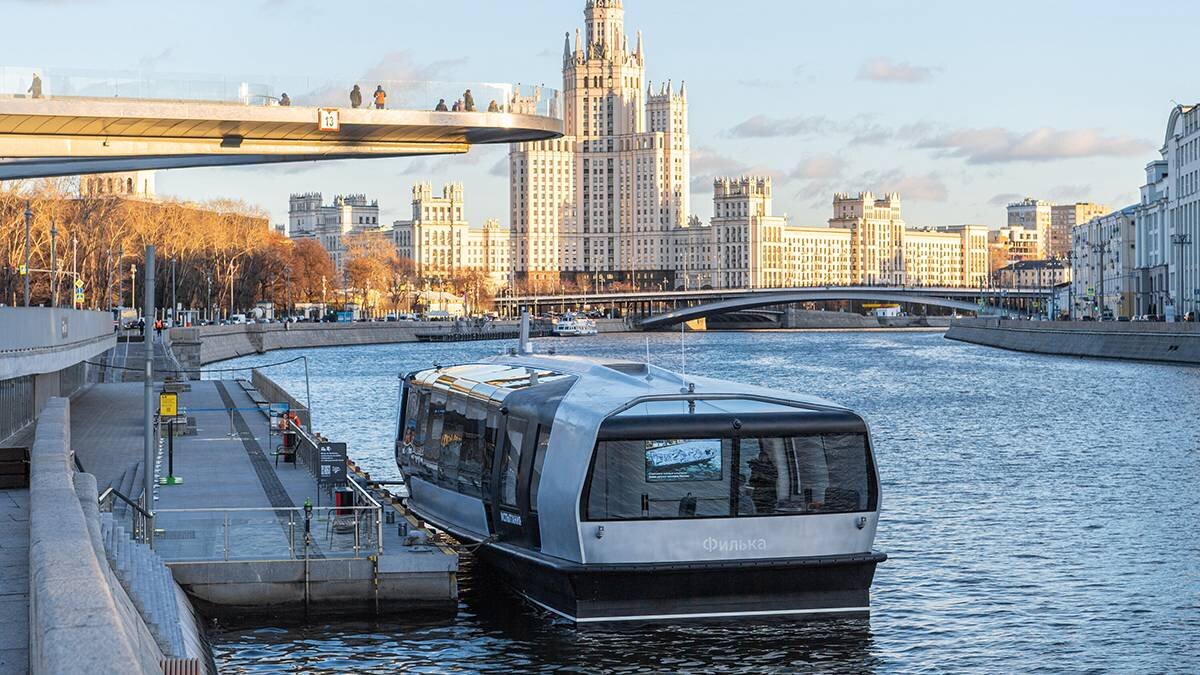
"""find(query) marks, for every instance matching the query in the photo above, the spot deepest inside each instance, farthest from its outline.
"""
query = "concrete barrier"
(1141, 341)
(277, 394)
(79, 619)
(39, 340)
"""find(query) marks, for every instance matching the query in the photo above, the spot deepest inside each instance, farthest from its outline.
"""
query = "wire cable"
(199, 370)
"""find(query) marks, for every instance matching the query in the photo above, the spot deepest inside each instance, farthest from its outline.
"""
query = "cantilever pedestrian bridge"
(666, 308)
(68, 122)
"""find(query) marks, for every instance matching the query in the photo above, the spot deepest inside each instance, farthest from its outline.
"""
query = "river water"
(1040, 513)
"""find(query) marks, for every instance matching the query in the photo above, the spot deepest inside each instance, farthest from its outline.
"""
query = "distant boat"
(571, 325)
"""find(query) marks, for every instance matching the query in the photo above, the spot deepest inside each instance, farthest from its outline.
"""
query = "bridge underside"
(59, 137)
(749, 302)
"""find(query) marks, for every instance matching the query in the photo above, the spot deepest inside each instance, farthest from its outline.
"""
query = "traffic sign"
(24, 270)
(79, 284)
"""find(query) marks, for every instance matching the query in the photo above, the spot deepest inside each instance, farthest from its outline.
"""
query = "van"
(237, 319)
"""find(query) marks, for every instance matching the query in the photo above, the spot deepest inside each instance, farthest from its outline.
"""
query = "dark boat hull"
(836, 585)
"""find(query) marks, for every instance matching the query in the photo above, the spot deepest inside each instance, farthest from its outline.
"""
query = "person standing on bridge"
(355, 97)
(380, 97)
(441, 106)
(284, 100)
(468, 101)
(35, 89)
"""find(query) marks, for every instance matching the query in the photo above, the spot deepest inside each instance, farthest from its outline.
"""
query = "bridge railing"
(495, 97)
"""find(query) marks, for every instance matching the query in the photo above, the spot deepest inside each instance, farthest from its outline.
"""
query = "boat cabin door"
(511, 473)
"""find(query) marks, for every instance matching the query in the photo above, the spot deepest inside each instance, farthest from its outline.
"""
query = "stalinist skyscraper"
(600, 204)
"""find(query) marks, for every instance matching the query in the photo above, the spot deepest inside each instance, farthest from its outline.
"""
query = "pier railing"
(268, 534)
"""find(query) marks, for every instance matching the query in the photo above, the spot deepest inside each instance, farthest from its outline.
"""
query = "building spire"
(639, 48)
(566, 46)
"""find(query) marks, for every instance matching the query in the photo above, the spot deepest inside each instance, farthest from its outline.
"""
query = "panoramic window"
(705, 478)
(539, 458)
(511, 461)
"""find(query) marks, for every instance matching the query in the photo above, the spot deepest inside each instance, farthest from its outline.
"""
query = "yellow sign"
(24, 270)
(167, 404)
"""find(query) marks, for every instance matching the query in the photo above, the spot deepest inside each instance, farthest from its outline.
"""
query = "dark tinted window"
(660, 478)
(511, 461)
(539, 458)
(829, 473)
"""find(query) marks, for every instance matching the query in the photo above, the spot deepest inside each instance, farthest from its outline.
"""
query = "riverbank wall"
(81, 618)
(1140, 341)
(199, 346)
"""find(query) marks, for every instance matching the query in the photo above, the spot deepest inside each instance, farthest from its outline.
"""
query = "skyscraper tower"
(603, 200)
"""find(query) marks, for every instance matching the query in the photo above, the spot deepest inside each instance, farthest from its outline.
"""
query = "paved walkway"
(14, 581)
(106, 431)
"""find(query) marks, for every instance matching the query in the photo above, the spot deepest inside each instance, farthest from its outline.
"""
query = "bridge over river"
(665, 308)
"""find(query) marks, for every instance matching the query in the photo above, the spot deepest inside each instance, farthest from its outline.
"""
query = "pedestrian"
(492, 107)
(284, 100)
(35, 89)
(355, 97)
(457, 107)
(441, 106)
(380, 97)
(468, 101)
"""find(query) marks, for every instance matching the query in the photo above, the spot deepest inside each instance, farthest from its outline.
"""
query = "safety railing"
(268, 534)
(450, 97)
(127, 512)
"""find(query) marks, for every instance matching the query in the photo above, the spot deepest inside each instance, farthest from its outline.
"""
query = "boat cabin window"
(445, 441)
(511, 461)
(539, 459)
(660, 478)
(713, 478)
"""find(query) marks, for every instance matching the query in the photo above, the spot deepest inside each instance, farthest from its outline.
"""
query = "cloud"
(922, 188)
(996, 145)
(1005, 198)
(883, 69)
(708, 165)
(152, 60)
(500, 168)
(395, 66)
(819, 167)
(1069, 193)
(761, 126)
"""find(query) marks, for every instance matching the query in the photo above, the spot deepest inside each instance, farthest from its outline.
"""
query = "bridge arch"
(768, 298)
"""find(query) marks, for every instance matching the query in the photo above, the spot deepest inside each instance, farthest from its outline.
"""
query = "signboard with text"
(168, 404)
(328, 119)
(332, 464)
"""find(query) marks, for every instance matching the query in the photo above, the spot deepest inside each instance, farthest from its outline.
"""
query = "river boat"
(607, 491)
(571, 325)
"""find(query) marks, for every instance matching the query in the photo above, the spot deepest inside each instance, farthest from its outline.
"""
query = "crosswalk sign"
(24, 270)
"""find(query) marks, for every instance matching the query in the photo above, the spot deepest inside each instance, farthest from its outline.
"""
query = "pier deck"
(14, 580)
(232, 531)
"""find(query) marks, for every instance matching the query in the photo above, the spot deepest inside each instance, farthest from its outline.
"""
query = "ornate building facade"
(607, 199)
(440, 241)
(309, 216)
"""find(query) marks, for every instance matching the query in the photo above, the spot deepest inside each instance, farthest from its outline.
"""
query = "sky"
(960, 106)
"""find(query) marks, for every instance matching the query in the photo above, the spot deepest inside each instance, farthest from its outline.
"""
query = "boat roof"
(613, 385)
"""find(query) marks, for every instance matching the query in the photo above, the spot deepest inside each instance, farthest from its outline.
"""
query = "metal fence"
(16, 405)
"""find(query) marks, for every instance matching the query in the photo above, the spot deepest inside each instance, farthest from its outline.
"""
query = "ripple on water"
(1039, 513)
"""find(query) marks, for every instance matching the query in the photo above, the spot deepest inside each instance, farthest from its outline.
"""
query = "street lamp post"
(53, 261)
(1101, 248)
(1179, 241)
(28, 217)
(133, 285)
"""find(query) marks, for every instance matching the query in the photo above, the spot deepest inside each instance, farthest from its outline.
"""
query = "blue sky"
(960, 106)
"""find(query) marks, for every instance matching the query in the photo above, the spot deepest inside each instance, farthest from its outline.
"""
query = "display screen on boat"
(683, 460)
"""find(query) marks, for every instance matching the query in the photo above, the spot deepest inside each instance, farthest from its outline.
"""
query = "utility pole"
(28, 217)
(74, 269)
(132, 285)
(230, 288)
(148, 389)
(53, 267)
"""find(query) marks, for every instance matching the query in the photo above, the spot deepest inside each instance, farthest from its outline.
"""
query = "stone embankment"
(81, 618)
(199, 346)
(1142, 341)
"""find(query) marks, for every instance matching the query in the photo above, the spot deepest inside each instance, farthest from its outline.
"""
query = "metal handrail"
(375, 505)
(145, 522)
(112, 492)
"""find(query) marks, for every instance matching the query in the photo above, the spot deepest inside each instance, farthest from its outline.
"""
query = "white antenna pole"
(526, 347)
(647, 350)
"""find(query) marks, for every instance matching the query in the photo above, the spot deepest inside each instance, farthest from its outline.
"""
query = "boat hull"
(836, 585)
